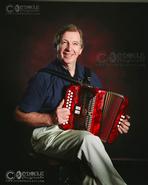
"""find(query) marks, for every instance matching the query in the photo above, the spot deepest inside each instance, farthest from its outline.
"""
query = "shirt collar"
(78, 71)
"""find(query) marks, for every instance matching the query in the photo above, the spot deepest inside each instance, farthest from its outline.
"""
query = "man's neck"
(71, 68)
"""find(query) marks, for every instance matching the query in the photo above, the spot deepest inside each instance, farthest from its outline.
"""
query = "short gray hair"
(71, 28)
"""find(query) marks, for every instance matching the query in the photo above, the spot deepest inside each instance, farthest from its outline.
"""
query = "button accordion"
(95, 110)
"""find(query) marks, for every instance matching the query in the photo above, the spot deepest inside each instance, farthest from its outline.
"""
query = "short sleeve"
(35, 94)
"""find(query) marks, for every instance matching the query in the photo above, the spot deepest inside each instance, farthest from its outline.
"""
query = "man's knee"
(90, 140)
(89, 137)
(83, 134)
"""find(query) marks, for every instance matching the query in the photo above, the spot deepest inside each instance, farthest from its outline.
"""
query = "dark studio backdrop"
(115, 37)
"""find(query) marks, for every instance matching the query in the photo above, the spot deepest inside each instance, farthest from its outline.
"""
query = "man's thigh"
(61, 144)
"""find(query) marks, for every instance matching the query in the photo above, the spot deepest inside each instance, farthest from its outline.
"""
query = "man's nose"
(69, 47)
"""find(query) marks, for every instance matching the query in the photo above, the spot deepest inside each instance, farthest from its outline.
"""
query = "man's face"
(70, 47)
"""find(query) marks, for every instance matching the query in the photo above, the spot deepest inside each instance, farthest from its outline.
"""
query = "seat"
(58, 172)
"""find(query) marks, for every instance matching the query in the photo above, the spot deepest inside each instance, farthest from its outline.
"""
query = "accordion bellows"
(95, 110)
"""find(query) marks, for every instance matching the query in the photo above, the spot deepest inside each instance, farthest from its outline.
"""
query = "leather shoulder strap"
(87, 75)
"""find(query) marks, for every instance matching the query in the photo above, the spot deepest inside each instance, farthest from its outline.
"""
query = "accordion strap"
(61, 75)
(87, 76)
(86, 80)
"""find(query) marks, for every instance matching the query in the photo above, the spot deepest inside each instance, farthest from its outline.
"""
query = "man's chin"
(68, 61)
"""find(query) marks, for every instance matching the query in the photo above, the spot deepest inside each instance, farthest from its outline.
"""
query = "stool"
(58, 170)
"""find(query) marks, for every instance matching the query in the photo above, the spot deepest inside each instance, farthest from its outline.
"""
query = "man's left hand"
(124, 124)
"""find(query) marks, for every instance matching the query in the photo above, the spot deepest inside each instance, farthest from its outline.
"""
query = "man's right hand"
(62, 114)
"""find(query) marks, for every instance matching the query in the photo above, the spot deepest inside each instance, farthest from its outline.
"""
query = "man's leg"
(75, 144)
(93, 152)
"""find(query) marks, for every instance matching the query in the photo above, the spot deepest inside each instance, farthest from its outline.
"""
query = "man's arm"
(34, 119)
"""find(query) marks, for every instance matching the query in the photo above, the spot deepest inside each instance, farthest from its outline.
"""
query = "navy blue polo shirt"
(45, 91)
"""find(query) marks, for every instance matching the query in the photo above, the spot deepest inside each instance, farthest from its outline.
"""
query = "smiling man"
(42, 108)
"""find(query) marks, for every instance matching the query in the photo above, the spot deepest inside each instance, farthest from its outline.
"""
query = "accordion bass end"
(95, 110)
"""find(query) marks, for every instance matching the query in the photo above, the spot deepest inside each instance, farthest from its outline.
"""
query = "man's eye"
(76, 43)
(63, 42)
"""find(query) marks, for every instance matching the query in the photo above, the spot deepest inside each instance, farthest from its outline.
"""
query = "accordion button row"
(69, 99)
(68, 102)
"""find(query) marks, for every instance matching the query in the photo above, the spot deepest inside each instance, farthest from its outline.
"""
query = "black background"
(27, 44)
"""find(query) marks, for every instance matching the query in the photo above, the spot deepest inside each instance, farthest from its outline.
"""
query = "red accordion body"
(94, 110)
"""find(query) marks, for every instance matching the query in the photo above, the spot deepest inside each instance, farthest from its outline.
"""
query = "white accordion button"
(77, 112)
(78, 108)
(65, 123)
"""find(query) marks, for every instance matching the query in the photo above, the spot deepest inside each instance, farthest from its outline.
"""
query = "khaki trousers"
(75, 144)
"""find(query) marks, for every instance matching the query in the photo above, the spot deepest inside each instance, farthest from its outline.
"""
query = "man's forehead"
(73, 35)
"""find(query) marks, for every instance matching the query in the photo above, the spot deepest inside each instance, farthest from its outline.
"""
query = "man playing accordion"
(42, 108)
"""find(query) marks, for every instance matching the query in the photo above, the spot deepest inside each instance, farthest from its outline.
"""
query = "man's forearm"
(34, 119)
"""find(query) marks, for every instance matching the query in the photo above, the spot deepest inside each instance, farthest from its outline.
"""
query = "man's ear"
(80, 51)
(57, 47)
